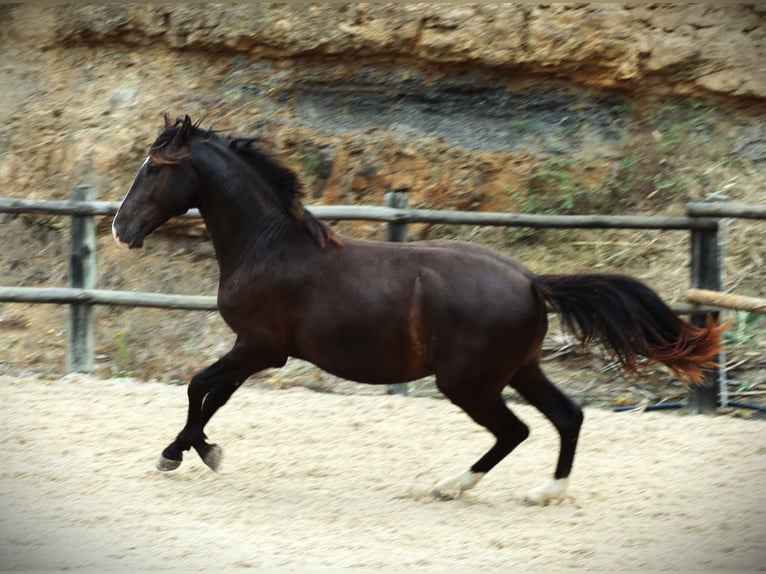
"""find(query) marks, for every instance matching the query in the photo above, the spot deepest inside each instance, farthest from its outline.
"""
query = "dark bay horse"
(382, 313)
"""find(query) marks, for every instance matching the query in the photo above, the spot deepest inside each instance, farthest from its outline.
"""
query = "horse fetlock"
(451, 488)
(542, 495)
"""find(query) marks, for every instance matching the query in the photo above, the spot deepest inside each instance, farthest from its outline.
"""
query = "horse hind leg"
(566, 417)
(492, 413)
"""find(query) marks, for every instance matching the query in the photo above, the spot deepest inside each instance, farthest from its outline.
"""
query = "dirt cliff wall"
(466, 104)
(684, 48)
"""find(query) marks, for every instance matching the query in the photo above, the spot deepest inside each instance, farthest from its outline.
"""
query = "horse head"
(166, 185)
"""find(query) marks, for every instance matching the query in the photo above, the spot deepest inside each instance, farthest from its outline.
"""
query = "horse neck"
(243, 222)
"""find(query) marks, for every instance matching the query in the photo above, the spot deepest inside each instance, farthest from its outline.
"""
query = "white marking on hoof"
(214, 457)
(540, 496)
(450, 488)
(165, 464)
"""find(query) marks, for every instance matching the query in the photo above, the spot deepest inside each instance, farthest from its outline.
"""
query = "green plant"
(644, 169)
(311, 166)
(746, 329)
(233, 95)
(652, 155)
(560, 186)
(746, 385)
(520, 124)
(123, 361)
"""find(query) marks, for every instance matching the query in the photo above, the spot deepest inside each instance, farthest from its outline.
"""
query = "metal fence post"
(82, 275)
(398, 199)
(706, 274)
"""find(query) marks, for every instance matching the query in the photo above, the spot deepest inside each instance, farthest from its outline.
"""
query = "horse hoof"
(543, 495)
(165, 464)
(451, 488)
(213, 458)
(437, 494)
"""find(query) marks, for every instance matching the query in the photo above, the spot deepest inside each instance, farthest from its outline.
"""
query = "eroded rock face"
(702, 47)
(461, 103)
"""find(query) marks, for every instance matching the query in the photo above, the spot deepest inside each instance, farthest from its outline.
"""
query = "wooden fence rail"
(727, 300)
(81, 295)
(400, 215)
(725, 209)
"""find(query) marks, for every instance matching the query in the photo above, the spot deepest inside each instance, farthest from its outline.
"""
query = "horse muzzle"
(135, 242)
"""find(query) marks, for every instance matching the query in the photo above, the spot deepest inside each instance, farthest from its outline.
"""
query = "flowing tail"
(630, 320)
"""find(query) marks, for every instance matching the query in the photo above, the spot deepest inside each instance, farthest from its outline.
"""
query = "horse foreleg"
(192, 434)
(207, 392)
(212, 454)
(566, 416)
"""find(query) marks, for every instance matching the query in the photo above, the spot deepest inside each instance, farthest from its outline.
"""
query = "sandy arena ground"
(314, 481)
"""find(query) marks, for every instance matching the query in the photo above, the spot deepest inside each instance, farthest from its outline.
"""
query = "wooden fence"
(702, 221)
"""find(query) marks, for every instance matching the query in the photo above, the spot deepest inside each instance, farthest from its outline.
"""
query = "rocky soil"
(534, 108)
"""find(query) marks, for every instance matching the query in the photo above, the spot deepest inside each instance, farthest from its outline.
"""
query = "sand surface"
(314, 481)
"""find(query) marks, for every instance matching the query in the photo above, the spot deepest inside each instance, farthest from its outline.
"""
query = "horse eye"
(151, 169)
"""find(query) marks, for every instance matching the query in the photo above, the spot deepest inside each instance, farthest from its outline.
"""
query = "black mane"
(282, 183)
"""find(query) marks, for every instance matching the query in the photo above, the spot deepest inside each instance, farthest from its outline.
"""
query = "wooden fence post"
(706, 274)
(398, 199)
(82, 275)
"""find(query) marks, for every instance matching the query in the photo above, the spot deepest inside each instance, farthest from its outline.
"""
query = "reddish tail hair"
(631, 320)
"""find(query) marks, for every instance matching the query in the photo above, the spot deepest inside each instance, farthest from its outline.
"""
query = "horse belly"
(369, 356)
(372, 374)
(370, 345)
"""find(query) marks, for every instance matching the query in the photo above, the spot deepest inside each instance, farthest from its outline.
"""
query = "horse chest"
(243, 302)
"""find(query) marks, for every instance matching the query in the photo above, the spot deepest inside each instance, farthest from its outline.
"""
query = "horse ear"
(168, 123)
(185, 132)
